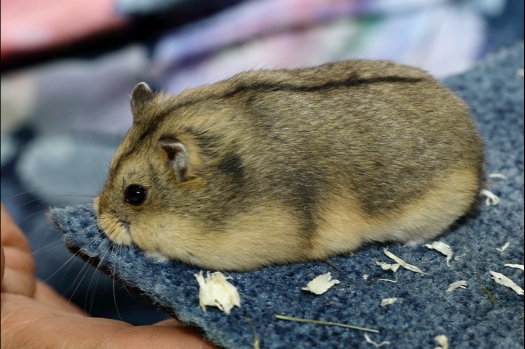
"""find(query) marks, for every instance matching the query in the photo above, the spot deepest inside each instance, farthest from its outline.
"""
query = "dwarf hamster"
(272, 167)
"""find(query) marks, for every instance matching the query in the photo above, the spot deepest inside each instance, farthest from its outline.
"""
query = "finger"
(18, 266)
(178, 337)
(21, 318)
(11, 234)
(19, 269)
(46, 294)
(29, 323)
(168, 323)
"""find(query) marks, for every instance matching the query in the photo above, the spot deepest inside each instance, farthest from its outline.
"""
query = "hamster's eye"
(135, 194)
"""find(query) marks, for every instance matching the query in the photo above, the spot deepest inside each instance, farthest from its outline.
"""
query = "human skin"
(36, 316)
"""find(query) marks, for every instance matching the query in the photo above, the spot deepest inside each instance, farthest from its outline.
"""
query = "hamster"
(273, 167)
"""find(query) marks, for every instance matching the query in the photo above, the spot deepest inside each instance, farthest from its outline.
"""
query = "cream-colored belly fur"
(268, 233)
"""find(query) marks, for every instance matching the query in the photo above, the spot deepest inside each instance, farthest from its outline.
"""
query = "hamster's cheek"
(175, 239)
(149, 236)
(114, 229)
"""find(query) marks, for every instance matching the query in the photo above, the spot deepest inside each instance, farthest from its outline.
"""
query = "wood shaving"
(443, 248)
(402, 262)
(492, 200)
(489, 294)
(442, 340)
(505, 281)
(256, 340)
(328, 323)
(520, 73)
(504, 247)
(320, 284)
(386, 266)
(369, 340)
(455, 285)
(216, 291)
(388, 301)
(394, 281)
(497, 175)
(365, 276)
(516, 266)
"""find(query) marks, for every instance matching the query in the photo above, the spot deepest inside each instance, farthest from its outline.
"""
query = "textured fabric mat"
(468, 317)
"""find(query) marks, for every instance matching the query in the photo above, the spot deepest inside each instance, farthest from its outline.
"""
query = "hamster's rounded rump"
(272, 167)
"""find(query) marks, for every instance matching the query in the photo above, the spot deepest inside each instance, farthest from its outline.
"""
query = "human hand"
(35, 316)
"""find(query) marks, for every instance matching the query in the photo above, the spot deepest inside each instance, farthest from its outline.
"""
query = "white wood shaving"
(520, 73)
(492, 200)
(369, 340)
(504, 247)
(386, 266)
(505, 281)
(497, 175)
(394, 281)
(320, 284)
(443, 248)
(402, 262)
(455, 285)
(365, 276)
(442, 340)
(516, 266)
(388, 301)
(216, 291)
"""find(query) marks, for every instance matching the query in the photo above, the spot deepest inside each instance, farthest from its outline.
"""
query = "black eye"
(135, 194)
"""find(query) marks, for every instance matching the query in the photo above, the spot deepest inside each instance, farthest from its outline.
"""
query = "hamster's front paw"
(156, 256)
(414, 243)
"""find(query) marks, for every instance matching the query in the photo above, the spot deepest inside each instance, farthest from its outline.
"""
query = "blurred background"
(69, 66)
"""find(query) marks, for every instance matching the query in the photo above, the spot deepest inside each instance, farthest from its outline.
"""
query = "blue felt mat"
(494, 91)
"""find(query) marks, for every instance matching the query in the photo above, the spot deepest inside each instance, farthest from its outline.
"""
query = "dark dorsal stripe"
(331, 85)
(265, 87)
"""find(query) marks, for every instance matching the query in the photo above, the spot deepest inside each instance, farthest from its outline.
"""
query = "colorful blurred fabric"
(30, 26)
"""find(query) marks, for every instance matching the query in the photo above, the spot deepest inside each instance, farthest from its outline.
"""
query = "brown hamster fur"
(273, 167)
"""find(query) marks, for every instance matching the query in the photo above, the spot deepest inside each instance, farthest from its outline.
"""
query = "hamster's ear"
(140, 96)
(177, 157)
